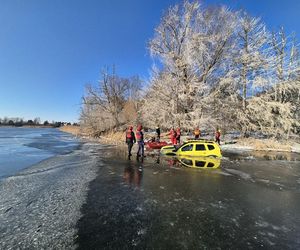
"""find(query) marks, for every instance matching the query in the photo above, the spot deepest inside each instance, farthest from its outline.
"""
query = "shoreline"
(27, 126)
(240, 144)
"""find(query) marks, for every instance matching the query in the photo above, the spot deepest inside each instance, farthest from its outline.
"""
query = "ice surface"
(184, 208)
(22, 147)
(40, 206)
(97, 198)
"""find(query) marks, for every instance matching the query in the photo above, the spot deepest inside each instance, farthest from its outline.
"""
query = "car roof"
(199, 141)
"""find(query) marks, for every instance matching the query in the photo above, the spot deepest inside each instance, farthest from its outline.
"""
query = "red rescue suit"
(173, 136)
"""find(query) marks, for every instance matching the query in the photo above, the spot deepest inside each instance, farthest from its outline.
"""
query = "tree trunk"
(244, 76)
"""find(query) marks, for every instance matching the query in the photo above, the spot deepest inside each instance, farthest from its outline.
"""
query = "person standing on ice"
(158, 133)
(197, 133)
(217, 136)
(178, 133)
(172, 134)
(140, 140)
(130, 139)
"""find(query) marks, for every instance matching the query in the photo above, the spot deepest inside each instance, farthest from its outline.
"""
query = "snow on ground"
(241, 148)
(40, 206)
(296, 148)
(235, 147)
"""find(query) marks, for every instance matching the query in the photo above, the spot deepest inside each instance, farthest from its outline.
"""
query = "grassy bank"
(115, 138)
(74, 130)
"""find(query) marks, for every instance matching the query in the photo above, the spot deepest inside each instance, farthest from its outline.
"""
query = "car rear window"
(200, 147)
(210, 147)
(187, 148)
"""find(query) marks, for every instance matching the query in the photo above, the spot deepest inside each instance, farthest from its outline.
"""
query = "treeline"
(19, 122)
(215, 68)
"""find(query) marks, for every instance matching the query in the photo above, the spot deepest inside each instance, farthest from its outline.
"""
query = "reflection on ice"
(200, 162)
(186, 161)
(133, 175)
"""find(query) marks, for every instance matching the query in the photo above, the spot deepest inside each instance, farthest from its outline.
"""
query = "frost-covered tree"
(286, 66)
(213, 67)
(217, 68)
(286, 73)
(170, 46)
(250, 64)
(159, 101)
(192, 45)
(251, 57)
(210, 54)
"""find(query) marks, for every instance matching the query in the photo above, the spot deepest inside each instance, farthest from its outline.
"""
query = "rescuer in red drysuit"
(140, 139)
(173, 136)
(130, 139)
(217, 136)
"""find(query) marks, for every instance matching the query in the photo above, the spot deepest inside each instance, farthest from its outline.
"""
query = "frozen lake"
(248, 202)
(22, 147)
(94, 197)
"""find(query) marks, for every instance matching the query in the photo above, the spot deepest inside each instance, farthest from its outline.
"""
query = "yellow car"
(194, 148)
(200, 162)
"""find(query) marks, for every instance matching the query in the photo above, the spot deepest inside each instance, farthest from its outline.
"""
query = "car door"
(200, 149)
(186, 149)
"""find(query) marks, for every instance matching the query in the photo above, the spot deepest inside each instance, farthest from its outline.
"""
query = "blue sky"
(49, 49)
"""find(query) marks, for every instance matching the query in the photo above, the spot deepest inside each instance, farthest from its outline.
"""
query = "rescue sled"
(156, 145)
